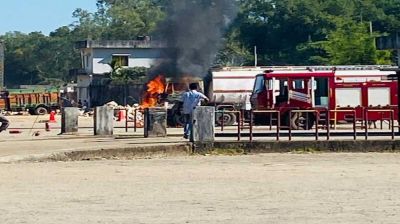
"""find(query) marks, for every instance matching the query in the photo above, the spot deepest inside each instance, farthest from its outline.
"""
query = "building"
(96, 57)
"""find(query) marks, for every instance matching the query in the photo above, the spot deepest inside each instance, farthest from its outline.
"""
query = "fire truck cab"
(324, 88)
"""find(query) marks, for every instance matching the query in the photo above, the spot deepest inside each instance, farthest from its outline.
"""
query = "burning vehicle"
(167, 92)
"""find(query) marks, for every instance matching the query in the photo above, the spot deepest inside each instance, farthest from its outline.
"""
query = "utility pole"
(255, 56)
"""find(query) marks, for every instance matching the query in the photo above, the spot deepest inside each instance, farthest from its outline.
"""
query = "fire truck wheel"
(41, 110)
(229, 119)
(299, 121)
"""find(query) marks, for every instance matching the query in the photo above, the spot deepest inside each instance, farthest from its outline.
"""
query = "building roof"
(119, 44)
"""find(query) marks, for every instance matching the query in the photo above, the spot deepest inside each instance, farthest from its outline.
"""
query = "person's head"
(193, 86)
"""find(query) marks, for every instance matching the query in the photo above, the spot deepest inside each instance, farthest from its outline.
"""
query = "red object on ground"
(52, 118)
(15, 132)
(121, 115)
(47, 126)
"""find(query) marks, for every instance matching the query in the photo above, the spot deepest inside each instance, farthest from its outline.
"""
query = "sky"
(39, 15)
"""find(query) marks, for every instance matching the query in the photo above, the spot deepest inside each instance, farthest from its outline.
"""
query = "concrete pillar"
(103, 120)
(155, 122)
(69, 120)
(203, 127)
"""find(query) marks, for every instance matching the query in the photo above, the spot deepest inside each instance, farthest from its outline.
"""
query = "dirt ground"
(268, 188)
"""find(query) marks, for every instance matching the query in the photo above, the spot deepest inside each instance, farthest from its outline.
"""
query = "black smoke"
(193, 31)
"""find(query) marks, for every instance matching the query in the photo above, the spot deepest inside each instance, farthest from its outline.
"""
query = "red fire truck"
(325, 88)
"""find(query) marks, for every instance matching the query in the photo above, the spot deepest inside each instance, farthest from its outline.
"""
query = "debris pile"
(130, 112)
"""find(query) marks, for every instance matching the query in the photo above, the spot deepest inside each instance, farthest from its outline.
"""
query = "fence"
(238, 121)
(382, 111)
(271, 112)
(320, 124)
(134, 121)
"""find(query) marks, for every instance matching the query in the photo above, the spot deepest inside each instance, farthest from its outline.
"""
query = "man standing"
(4, 123)
(191, 99)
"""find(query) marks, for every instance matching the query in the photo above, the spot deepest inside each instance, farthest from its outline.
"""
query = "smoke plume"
(193, 31)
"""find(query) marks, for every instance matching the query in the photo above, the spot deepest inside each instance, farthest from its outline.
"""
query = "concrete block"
(103, 121)
(69, 120)
(155, 122)
(203, 124)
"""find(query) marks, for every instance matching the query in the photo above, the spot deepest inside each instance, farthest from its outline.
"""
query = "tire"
(299, 121)
(31, 111)
(229, 119)
(40, 110)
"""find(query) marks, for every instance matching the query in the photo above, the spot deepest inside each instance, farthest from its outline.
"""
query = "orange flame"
(154, 88)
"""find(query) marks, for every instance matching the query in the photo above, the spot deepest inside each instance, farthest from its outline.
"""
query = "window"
(181, 87)
(87, 58)
(169, 89)
(259, 84)
(120, 60)
(283, 87)
(298, 84)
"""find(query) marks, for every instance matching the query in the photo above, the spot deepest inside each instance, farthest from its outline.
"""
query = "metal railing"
(317, 116)
(238, 121)
(353, 112)
(271, 112)
(391, 121)
(135, 121)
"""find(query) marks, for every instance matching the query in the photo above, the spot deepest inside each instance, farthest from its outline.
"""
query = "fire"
(154, 88)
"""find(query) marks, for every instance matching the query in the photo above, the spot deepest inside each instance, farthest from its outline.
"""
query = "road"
(266, 188)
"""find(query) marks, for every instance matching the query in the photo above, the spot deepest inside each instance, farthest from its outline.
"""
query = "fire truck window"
(259, 84)
(298, 84)
(283, 91)
(283, 87)
(321, 92)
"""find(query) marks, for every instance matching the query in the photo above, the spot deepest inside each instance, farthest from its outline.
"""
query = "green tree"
(282, 30)
(234, 53)
(352, 43)
(119, 19)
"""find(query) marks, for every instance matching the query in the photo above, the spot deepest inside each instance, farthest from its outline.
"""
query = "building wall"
(82, 87)
(138, 57)
(87, 61)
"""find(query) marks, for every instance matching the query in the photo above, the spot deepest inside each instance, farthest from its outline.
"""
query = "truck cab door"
(300, 92)
(259, 95)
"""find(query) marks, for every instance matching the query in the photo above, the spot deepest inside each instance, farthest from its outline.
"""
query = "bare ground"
(268, 188)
